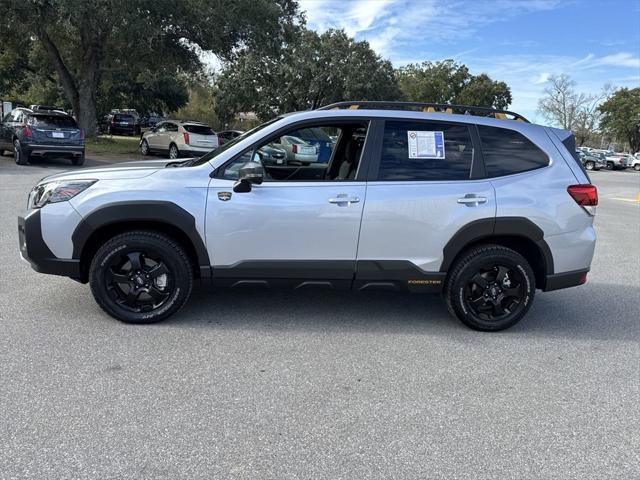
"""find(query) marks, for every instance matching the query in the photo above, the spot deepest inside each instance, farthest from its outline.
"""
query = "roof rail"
(428, 107)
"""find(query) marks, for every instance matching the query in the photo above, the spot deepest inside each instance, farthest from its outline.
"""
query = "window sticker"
(424, 144)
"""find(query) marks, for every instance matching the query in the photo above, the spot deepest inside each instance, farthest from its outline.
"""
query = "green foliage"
(119, 52)
(621, 116)
(450, 82)
(200, 106)
(308, 71)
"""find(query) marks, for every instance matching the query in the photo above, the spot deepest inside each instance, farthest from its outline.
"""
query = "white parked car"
(634, 161)
(179, 139)
(297, 149)
(617, 161)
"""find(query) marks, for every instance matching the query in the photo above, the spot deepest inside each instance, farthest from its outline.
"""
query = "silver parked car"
(477, 207)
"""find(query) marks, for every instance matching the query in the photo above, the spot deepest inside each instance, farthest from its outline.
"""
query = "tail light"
(586, 196)
(186, 137)
(27, 131)
(294, 148)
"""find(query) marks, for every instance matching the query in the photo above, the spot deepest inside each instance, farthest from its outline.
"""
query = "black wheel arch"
(164, 217)
(518, 233)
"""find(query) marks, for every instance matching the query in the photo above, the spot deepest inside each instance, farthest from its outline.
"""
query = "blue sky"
(521, 42)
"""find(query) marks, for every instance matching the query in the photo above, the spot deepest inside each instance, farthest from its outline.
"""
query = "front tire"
(141, 277)
(19, 156)
(490, 288)
(590, 165)
(636, 167)
(174, 153)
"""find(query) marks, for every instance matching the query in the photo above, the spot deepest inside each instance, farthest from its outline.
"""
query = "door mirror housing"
(250, 173)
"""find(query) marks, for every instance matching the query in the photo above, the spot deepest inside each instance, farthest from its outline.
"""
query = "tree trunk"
(81, 93)
(86, 113)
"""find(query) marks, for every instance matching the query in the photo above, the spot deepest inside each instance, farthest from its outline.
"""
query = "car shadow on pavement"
(594, 312)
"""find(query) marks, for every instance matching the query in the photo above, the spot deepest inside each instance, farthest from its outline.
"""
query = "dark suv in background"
(41, 133)
(120, 123)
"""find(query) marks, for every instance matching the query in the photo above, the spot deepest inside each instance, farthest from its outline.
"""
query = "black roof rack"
(428, 107)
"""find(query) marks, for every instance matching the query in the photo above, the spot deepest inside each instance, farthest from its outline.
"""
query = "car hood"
(116, 171)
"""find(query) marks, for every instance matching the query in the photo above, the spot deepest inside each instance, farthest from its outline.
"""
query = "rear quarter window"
(507, 152)
(198, 129)
(52, 121)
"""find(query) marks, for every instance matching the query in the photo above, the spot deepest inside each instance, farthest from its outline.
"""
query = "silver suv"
(478, 205)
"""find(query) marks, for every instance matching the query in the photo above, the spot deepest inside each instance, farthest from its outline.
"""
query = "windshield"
(214, 153)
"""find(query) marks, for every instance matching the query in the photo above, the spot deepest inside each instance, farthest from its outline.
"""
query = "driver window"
(327, 152)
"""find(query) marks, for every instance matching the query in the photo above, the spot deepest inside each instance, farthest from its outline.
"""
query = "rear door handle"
(472, 200)
(343, 199)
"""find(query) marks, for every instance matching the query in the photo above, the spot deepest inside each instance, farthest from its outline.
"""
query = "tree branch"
(66, 79)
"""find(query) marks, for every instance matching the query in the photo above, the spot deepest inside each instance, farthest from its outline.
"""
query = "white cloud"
(622, 59)
(393, 27)
(542, 78)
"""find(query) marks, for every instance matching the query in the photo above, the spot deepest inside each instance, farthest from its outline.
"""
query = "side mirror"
(250, 173)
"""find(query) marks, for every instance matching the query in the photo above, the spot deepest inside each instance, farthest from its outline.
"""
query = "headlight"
(54, 192)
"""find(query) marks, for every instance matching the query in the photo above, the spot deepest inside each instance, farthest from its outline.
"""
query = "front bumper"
(35, 251)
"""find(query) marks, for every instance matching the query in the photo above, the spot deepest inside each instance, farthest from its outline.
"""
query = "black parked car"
(119, 123)
(228, 135)
(41, 134)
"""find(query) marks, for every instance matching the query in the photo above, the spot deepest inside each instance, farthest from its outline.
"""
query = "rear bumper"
(34, 250)
(44, 149)
(196, 152)
(558, 281)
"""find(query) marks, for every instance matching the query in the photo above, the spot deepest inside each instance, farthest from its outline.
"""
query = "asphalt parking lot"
(283, 385)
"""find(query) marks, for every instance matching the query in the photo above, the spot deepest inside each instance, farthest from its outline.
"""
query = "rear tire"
(590, 165)
(144, 147)
(636, 167)
(490, 288)
(141, 277)
(174, 153)
(609, 166)
(19, 156)
(78, 160)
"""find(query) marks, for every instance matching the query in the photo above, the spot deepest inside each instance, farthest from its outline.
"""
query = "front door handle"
(472, 200)
(343, 199)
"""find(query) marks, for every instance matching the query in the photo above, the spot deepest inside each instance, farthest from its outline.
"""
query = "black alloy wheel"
(139, 281)
(18, 155)
(494, 292)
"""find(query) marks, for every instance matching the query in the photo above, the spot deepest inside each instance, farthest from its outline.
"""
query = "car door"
(154, 138)
(420, 194)
(303, 231)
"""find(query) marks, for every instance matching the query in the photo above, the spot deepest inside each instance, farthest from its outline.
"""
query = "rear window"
(123, 118)
(507, 152)
(53, 121)
(427, 151)
(198, 129)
